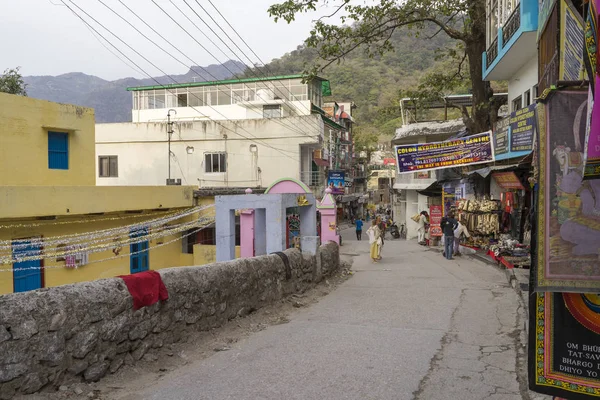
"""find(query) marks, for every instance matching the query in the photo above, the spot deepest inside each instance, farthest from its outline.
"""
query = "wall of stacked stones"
(87, 330)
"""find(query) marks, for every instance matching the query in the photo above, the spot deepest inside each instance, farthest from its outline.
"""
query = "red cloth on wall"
(146, 288)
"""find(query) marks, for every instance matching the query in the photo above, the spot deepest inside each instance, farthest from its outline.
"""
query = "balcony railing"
(512, 25)
(313, 178)
(492, 52)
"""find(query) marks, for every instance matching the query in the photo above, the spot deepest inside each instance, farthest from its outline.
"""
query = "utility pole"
(330, 151)
(169, 133)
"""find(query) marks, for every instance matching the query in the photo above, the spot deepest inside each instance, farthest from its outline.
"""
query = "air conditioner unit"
(173, 182)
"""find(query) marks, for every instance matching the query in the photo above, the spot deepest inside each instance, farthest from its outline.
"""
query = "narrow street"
(414, 326)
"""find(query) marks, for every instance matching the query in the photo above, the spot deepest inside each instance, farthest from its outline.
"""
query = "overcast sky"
(47, 39)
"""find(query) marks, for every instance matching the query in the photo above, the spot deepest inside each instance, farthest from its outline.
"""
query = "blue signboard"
(335, 181)
(514, 135)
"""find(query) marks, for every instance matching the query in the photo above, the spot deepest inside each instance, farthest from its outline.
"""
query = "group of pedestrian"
(452, 230)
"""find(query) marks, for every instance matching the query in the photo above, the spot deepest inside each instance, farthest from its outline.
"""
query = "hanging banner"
(522, 128)
(592, 142)
(470, 150)
(435, 221)
(568, 208)
(590, 52)
(564, 345)
(501, 136)
(448, 199)
(508, 180)
(571, 44)
(336, 182)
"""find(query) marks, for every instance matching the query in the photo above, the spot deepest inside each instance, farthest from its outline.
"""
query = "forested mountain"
(374, 84)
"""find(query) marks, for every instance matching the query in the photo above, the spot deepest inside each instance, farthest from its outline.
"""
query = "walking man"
(449, 225)
(359, 225)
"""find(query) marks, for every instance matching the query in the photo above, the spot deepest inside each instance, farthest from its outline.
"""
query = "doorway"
(27, 275)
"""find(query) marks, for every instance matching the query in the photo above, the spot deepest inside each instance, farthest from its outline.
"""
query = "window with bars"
(271, 111)
(526, 98)
(108, 166)
(215, 162)
(58, 150)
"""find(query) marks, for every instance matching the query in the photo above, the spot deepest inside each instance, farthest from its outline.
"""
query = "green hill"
(374, 84)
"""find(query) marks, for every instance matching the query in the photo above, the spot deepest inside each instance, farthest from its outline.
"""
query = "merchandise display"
(495, 227)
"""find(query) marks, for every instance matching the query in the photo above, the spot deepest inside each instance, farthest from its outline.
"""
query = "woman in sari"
(374, 234)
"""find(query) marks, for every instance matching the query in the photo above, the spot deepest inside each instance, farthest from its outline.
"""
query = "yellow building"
(45, 143)
(379, 183)
(57, 227)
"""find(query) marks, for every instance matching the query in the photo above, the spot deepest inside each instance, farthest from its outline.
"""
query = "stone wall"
(87, 330)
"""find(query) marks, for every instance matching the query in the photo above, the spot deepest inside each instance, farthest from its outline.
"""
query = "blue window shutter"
(139, 252)
(27, 275)
(58, 150)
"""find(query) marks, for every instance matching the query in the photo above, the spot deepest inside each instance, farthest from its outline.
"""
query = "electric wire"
(205, 49)
(235, 44)
(154, 79)
(291, 127)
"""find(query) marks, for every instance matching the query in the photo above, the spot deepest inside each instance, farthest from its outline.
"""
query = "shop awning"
(321, 162)
(488, 170)
(433, 190)
(410, 186)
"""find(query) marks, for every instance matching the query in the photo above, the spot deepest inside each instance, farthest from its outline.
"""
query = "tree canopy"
(12, 82)
(371, 29)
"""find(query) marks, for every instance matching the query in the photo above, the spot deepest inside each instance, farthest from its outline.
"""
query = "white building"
(234, 133)
(247, 153)
(252, 98)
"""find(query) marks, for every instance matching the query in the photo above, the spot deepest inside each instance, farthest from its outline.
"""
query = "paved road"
(414, 326)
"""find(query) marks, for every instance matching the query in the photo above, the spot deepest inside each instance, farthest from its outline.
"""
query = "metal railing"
(491, 53)
(512, 25)
(312, 178)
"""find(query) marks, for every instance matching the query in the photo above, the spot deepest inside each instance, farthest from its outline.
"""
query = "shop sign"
(564, 344)
(335, 181)
(348, 182)
(470, 150)
(568, 227)
(501, 136)
(571, 44)
(435, 221)
(448, 198)
(522, 127)
(592, 142)
(508, 180)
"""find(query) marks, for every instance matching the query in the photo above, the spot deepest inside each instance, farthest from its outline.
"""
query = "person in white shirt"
(460, 230)
(423, 219)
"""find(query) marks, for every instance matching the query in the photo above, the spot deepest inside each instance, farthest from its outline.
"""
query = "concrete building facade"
(57, 226)
(232, 133)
